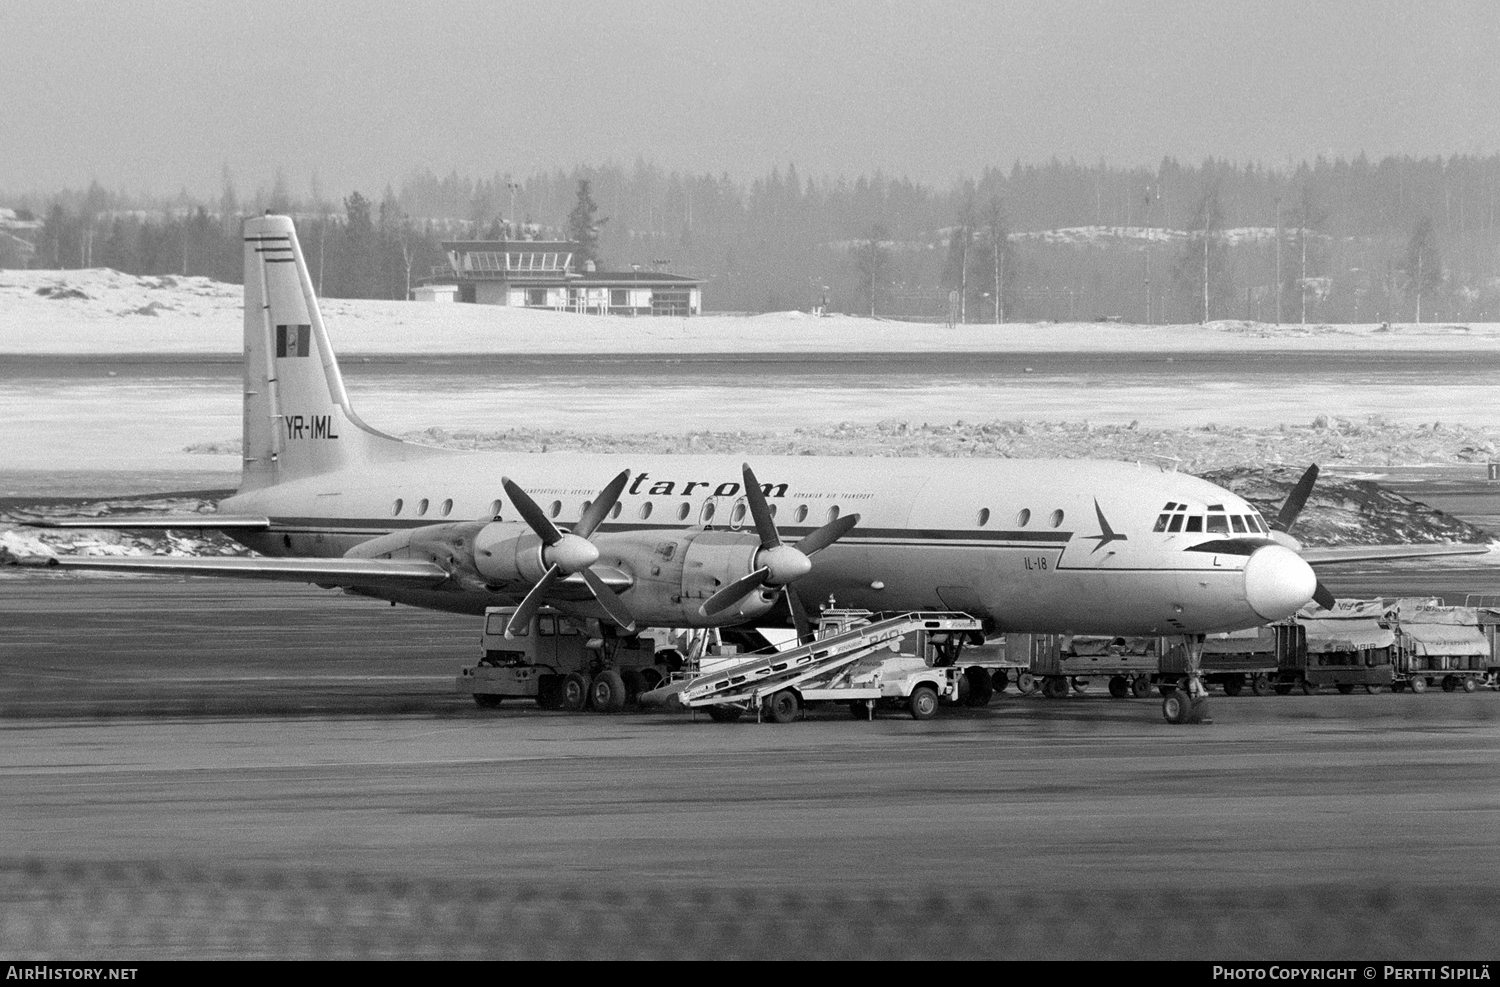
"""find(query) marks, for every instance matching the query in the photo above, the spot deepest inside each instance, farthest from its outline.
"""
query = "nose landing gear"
(1187, 704)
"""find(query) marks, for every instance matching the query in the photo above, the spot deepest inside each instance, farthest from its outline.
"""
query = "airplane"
(680, 541)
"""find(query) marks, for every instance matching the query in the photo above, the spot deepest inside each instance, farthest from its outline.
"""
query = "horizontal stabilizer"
(324, 572)
(1375, 553)
(158, 522)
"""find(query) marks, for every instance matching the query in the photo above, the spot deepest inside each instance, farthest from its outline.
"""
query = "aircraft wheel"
(981, 688)
(1118, 687)
(1198, 710)
(1176, 706)
(1309, 688)
(635, 684)
(1418, 684)
(1000, 679)
(574, 694)
(1471, 684)
(923, 703)
(650, 677)
(784, 706)
(1140, 687)
(1234, 685)
(607, 692)
(1261, 685)
(1025, 683)
(725, 713)
(1450, 683)
(486, 701)
(1345, 689)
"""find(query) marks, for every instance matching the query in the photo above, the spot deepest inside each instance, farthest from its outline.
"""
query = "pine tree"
(583, 228)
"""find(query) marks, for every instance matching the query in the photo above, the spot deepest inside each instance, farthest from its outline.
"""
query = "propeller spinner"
(567, 553)
(777, 564)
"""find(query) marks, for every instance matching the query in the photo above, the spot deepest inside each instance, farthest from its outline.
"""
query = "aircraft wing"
(157, 522)
(1374, 553)
(324, 572)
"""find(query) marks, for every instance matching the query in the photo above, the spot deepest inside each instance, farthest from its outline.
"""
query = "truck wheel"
(1418, 684)
(922, 703)
(1025, 683)
(784, 706)
(1371, 689)
(486, 701)
(724, 713)
(1234, 685)
(1471, 684)
(1176, 707)
(1450, 683)
(1309, 688)
(1080, 683)
(1140, 687)
(574, 694)
(1345, 689)
(981, 689)
(1055, 687)
(1118, 687)
(635, 684)
(608, 692)
(1283, 688)
(1000, 679)
(1261, 685)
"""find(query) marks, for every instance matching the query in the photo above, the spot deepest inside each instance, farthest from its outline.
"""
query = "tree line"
(1330, 240)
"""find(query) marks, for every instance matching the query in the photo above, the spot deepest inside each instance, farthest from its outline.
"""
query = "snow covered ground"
(103, 311)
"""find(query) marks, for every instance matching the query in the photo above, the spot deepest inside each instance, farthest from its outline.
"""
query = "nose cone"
(1278, 583)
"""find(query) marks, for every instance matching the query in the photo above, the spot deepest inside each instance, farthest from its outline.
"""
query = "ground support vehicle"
(1348, 648)
(559, 666)
(848, 665)
(1126, 663)
(1440, 646)
(1239, 660)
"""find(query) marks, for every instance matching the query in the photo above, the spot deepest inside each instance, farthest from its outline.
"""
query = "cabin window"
(772, 509)
(421, 507)
(984, 516)
(586, 505)
(1194, 523)
(645, 511)
(396, 507)
(1056, 518)
(615, 511)
(447, 507)
(800, 514)
(1023, 517)
(495, 508)
(683, 511)
(1218, 523)
(737, 516)
(833, 514)
(707, 514)
(555, 509)
(1238, 523)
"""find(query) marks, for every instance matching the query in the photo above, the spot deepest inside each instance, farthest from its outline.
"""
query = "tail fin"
(298, 421)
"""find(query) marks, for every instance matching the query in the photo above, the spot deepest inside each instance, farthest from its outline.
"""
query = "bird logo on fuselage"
(1106, 533)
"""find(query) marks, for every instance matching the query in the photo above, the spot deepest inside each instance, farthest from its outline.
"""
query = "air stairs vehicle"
(843, 664)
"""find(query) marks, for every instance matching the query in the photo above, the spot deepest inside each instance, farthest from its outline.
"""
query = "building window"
(619, 298)
(536, 296)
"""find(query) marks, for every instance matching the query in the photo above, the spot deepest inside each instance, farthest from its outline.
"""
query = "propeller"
(1281, 527)
(776, 563)
(567, 553)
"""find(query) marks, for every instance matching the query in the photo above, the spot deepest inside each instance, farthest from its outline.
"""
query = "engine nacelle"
(481, 555)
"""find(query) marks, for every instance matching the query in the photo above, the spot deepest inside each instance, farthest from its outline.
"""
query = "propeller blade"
(610, 601)
(799, 617)
(827, 535)
(533, 602)
(760, 510)
(1323, 597)
(1296, 500)
(599, 509)
(530, 513)
(727, 596)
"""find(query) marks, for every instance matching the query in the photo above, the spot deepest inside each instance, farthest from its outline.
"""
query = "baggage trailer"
(553, 662)
(1240, 659)
(1348, 647)
(845, 665)
(1441, 646)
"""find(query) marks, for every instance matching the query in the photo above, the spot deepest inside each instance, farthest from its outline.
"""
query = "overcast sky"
(152, 95)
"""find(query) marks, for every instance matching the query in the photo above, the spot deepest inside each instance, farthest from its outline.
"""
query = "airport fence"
(79, 910)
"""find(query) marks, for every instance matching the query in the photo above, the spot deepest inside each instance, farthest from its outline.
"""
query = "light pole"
(511, 219)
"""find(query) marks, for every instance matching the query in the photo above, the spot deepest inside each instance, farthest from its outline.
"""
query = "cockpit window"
(1238, 523)
(1176, 523)
(1161, 523)
(1218, 523)
(1195, 523)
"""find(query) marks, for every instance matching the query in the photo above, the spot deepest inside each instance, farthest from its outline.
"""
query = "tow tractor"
(845, 664)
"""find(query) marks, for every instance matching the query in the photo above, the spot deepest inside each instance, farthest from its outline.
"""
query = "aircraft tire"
(1198, 710)
(1118, 686)
(922, 703)
(651, 677)
(1176, 707)
(725, 713)
(1234, 685)
(1140, 687)
(784, 706)
(607, 692)
(574, 694)
(485, 700)
(981, 688)
(635, 684)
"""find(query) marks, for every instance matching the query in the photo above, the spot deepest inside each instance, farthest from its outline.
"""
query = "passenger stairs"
(760, 675)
